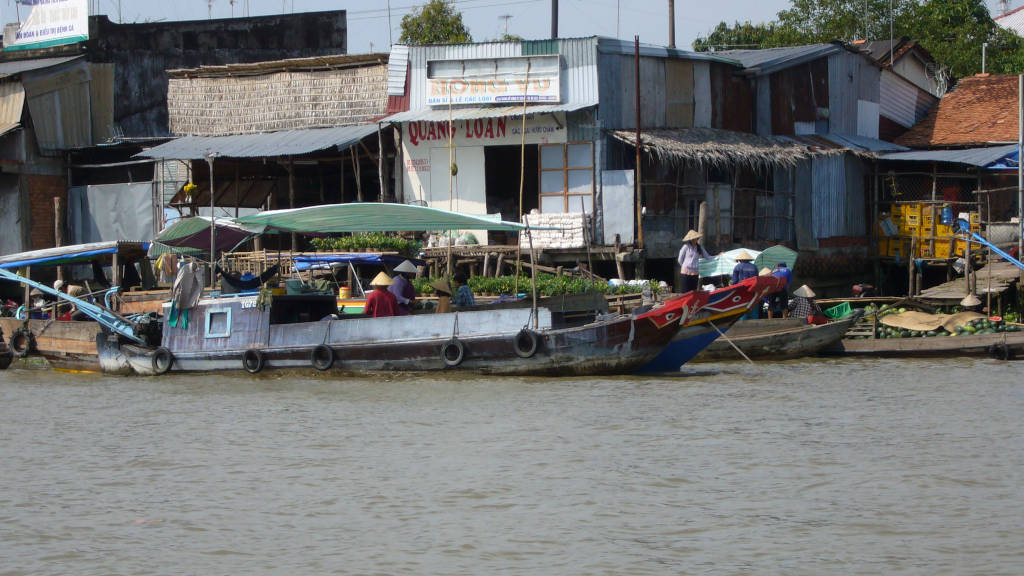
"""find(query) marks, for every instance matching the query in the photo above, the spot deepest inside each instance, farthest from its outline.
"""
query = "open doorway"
(501, 164)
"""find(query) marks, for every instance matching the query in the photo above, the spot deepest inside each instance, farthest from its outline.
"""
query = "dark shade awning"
(270, 144)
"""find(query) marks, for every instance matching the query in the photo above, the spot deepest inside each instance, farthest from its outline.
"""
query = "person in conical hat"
(689, 261)
(804, 292)
(380, 302)
(766, 271)
(803, 305)
(744, 267)
(443, 291)
(402, 288)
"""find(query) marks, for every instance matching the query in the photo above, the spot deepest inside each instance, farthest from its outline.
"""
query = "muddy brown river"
(828, 466)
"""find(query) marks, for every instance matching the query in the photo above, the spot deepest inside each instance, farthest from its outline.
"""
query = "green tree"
(953, 31)
(739, 36)
(436, 22)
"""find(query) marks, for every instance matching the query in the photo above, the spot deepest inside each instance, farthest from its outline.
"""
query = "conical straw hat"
(804, 292)
(970, 300)
(381, 279)
(691, 235)
(743, 255)
(441, 286)
(766, 271)
(406, 266)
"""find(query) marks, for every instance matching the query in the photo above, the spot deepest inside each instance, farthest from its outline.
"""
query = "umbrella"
(724, 262)
(772, 256)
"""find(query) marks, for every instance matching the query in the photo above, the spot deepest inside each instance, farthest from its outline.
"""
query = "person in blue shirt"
(744, 267)
(780, 300)
(463, 295)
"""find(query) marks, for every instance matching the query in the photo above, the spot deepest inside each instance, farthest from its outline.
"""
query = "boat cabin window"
(218, 323)
(293, 308)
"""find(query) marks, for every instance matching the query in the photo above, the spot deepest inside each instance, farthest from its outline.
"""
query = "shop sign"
(494, 80)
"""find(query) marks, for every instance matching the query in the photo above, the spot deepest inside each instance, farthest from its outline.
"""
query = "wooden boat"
(1001, 345)
(777, 339)
(723, 309)
(68, 345)
(253, 333)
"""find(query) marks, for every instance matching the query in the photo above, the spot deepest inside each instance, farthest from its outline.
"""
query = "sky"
(370, 29)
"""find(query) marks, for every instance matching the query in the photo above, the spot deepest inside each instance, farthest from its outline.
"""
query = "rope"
(731, 343)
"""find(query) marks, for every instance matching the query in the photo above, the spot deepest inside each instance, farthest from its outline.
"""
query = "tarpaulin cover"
(372, 217)
(323, 261)
(111, 212)
(194, 232)
(76, 253)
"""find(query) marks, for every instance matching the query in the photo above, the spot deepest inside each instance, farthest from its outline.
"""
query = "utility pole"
(671, 23)
(506, 18)
(554, 19)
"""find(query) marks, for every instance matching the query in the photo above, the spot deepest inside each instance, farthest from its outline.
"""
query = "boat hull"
(688, 343)
(1003, 345)
(780, 339)
(67, 345)
(485, 341)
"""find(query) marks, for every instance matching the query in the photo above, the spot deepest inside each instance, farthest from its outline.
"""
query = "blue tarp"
(63, 256)
(1008, 162)
(302, 263)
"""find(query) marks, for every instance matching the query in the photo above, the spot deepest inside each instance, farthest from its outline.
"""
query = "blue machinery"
(104, 316)
(965, 228)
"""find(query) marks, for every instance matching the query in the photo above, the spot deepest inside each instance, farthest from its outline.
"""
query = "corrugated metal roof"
(463, 113)
(770, 59)
(617, 46)
(19, 66)
(12, 102)
(842, 142)
(970, 156)
(271, 144)
(398, 63)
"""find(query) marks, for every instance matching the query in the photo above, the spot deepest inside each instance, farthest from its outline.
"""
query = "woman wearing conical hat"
(803, 304)
(403, 290)
(689, 261)
(380, 302)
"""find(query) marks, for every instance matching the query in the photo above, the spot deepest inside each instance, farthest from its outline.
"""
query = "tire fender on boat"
(253, 360)
(22, 342)
(525, 343)
(453, 352)
(322, 357)
(162, 360)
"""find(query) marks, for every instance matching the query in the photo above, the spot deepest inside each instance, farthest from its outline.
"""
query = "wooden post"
(497, 266)
(28, 291)
(355, 170)
(637, 184)
(58, 229)
(910, 267)
(618, 261)
(291, 198)
(487, 261)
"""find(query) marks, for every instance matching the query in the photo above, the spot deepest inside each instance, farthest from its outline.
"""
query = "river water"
(831, 466)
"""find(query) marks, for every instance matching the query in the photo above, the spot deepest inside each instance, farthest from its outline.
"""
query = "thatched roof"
(710, 146)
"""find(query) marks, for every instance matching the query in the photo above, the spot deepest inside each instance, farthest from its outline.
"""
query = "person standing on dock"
(380, 303)
(689, 261)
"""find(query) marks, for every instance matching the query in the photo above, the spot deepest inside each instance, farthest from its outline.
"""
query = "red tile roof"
(980, 110)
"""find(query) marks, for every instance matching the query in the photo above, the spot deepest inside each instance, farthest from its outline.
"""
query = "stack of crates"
(923, 223)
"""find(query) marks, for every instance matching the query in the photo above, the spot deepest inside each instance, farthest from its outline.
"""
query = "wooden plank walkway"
(1004, 274)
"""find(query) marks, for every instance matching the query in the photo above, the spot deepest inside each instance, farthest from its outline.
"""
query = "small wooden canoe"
(1002, 345)
(777, 339)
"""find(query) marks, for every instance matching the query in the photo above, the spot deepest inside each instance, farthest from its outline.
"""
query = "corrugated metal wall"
(579, 64)
(837, 195)
(56, 101)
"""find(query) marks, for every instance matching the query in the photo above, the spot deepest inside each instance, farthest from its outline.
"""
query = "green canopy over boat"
(373, 217)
